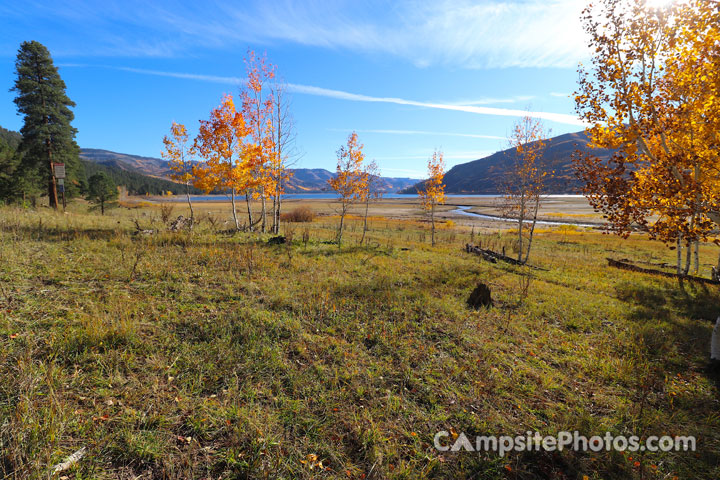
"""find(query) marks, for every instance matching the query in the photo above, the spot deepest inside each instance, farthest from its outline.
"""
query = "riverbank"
(480, 211)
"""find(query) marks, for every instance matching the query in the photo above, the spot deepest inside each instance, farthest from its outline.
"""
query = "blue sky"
(408, 76)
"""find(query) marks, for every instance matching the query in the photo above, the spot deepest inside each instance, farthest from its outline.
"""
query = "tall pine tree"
(48, 136)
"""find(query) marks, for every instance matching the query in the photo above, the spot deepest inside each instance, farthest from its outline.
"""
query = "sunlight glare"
(659, 3)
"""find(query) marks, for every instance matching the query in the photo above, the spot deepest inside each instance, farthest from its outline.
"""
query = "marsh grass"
(216, 355)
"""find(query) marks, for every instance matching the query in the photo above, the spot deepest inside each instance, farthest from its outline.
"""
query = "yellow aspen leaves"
(433, 192)
(651, 94)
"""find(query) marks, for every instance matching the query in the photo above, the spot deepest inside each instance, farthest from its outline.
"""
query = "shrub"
(166, 210)
(299, 214)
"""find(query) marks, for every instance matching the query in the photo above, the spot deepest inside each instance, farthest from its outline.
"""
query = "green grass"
(213, 355)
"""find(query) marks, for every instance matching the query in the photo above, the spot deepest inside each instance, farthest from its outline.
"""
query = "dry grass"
(213, 355)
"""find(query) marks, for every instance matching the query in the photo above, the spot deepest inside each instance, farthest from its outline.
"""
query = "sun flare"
(659, 3)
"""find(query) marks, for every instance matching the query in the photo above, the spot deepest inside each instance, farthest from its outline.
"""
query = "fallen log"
(493, 257)
(634, 268)
(470, 248)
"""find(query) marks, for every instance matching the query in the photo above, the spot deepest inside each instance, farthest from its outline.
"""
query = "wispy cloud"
(355, 97)
(462, 33)
(494, 101)
(503, 112)
(459, 33)
(422, 132)
(185, 76)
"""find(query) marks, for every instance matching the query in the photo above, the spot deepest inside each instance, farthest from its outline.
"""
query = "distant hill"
(136, 183)
(304, 180)
(397, 184)
(316, 180)
(477, 177)
(308, 180)
(154, 167)
(140, 175)
(484, 176)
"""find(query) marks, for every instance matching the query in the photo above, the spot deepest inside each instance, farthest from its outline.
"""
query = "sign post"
(59, 174)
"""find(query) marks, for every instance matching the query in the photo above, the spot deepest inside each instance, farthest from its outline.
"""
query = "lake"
(325, 196)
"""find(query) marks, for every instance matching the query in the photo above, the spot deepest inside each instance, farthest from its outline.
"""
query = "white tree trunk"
(192, 212)
(263, 212)
(532, 228)
(234, 211)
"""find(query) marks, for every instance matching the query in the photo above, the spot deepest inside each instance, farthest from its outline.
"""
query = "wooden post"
(57, 171)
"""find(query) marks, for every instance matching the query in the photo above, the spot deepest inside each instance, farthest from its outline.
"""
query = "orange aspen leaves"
(651, 93)
(221, 142)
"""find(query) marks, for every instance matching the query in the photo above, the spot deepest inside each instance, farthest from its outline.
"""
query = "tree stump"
(480, 297)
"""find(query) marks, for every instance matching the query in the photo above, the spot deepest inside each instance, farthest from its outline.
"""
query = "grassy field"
(216, 355)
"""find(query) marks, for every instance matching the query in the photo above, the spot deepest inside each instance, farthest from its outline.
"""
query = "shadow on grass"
(659, 301)
(42, 232)
(331, 249)
(162, 237)
(676, 316)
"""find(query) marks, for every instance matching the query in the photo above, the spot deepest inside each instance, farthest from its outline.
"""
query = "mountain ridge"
(481, 176)
(303, 180)
(484, 175)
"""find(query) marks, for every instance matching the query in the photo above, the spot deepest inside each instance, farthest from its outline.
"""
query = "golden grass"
(215, 355)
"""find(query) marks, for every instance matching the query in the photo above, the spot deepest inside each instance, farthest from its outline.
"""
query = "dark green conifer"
(47, 134)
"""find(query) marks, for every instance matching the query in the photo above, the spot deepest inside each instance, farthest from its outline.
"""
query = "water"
(461, 210)
(324, 196)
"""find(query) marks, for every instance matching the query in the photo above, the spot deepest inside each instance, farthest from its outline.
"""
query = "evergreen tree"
(101, 190)
(10, 137)
(47, 134)
(10, 186)
(8, 165)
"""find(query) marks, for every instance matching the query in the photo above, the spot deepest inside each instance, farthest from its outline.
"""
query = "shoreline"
(478, 210)
(217, 198)
(463, 210)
